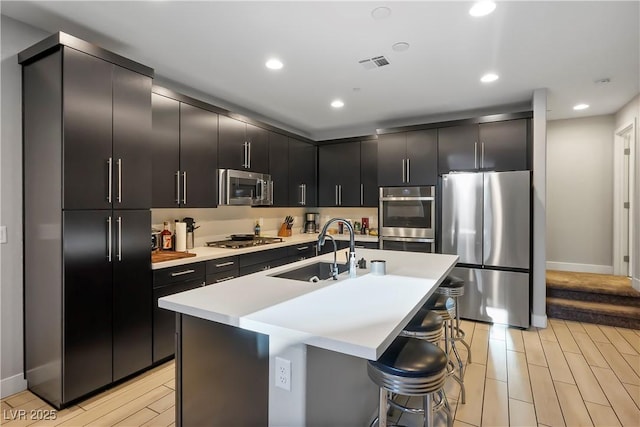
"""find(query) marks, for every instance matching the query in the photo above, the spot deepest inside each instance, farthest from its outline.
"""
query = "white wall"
(630, 113)
(580, 194)
(15, 37)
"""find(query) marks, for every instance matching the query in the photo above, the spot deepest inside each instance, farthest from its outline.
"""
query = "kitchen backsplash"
(225, 220)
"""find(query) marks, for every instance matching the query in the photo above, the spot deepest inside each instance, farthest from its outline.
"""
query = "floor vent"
(375, 62)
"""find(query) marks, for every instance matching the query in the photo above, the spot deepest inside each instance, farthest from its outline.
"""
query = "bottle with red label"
(165, 238)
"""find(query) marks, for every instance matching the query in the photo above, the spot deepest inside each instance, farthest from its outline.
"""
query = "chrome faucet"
(334, 266)
(352, 246)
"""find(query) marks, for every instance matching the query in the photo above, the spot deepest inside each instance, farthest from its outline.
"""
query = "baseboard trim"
(12, 385)
(635, 283)
(580, 268)
(539, 321)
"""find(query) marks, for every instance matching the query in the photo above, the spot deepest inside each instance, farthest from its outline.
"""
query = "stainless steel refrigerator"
(486, 219)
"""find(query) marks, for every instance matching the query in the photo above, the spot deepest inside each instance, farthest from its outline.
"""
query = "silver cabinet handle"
(249, 156)
(408, 171)
(109, 239)
(178, 187)
(475, 155)
(361, 194)
(482, 155)
(404, 171)
(119, 180)
(224, 279)
(303, 194)
(340, 194)
(109, 178)
(224, 264)
(303, 248)
(119, 238)
(181, 273)
(184, 187)
(336, 194)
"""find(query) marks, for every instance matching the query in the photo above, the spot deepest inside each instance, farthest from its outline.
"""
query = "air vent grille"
(375, 62)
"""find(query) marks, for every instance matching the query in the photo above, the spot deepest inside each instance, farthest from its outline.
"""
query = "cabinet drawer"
(220, 265)
(179, 273)
(263, 266)
(302, 251)
(262, 257)
(367, 245)
(222, 276)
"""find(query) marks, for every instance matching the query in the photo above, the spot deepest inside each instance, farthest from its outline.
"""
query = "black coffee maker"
(311, 222)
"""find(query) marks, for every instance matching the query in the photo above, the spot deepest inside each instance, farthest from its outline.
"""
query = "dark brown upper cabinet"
(408, 158)
(279, 168)
(497, 146)
(242, 146)
(302, 174)
(184, 154)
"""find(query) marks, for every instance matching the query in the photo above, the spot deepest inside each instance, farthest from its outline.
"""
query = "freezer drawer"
(495, 296)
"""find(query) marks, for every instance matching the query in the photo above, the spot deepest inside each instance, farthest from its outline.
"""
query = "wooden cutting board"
(161, 256)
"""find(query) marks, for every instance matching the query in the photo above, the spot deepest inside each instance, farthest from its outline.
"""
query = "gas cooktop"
(237, 244)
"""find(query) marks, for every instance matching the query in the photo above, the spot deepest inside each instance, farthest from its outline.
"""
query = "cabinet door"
(330, 164)
(369, 173)
(279, 168)
(258, 151)
(302, 174)
(504, 145)
(458, 148)
(198, 149)
(164, 321)
(422, 157)
(165, 151)
(232, 150)
(131, 139)
(87, 117)
(132, 296)
(391, 157)
(87, 309)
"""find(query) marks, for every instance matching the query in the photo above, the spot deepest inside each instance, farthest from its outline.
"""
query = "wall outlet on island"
(283, 373)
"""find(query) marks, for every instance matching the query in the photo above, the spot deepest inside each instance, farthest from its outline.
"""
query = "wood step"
(592, 283)
(594, 312)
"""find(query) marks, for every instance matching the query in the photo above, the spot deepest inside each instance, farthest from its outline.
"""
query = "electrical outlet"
(3, 234)
(283, 373)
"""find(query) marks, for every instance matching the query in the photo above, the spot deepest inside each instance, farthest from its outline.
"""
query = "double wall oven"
(408, 218)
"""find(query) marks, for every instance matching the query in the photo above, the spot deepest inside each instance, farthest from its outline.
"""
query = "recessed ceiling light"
(273, 64)
(482, 8)
(580, 107)
(337, 104)
(400, 46)
(381, 12)
(489, 77)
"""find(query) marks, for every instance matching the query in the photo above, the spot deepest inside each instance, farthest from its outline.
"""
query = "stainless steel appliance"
(311, 222)
(244, 188)
(486, 222)
(243, 241)
(407, 218)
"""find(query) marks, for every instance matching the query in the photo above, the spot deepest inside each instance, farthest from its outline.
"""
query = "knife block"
(284, 231)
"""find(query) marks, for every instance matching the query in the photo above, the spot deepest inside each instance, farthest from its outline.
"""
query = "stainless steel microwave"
(244, 188)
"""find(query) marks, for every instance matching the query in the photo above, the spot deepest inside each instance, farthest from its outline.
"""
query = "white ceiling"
(217, 50)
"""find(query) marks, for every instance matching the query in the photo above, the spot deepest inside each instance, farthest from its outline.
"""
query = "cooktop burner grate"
(237, 244)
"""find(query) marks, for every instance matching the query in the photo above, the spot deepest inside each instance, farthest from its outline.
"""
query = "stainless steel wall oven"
(407, 218)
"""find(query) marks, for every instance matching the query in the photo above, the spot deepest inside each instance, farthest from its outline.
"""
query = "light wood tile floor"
(570, 374)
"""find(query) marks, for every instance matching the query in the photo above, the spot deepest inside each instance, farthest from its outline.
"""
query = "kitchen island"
(236, 340)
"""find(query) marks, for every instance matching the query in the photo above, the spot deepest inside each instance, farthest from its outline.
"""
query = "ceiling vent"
(375, 62)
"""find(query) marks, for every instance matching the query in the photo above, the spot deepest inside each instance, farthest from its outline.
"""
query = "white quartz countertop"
(359, 316)
(205, 253)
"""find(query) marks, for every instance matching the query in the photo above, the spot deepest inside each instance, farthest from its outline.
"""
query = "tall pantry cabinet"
(87, 199)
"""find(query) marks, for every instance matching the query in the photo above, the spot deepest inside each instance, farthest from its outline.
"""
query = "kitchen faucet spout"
(352, 244)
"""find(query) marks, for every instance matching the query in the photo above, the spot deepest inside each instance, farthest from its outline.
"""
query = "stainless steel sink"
(312, 272)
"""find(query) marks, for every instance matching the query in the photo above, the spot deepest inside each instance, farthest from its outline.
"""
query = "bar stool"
(425, 325)
(453, 287)
(410, 367)
(445, 307)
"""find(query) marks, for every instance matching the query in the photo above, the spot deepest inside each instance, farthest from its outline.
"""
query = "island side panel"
(223, 374)
(339, 391)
